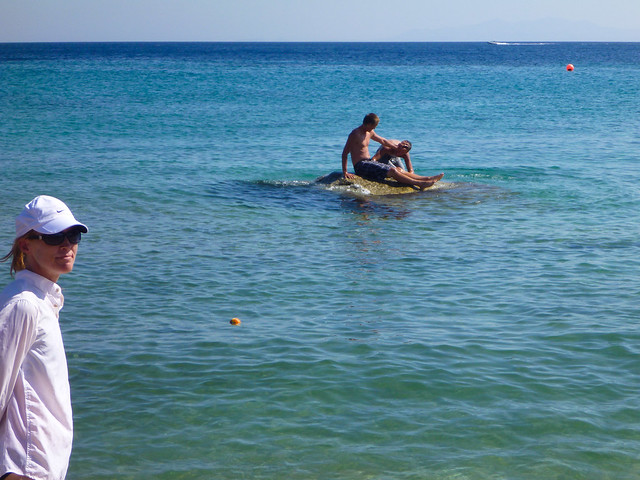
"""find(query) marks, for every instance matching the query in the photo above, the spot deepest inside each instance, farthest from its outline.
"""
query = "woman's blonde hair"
(16, 255)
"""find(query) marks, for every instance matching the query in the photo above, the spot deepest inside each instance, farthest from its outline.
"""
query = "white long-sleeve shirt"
(36, 426)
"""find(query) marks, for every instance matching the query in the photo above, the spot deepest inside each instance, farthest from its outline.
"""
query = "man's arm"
(376, 157)
(383, 141)
(345, 159)
(407, 161)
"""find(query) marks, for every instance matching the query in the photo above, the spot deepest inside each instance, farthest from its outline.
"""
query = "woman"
(36, 428)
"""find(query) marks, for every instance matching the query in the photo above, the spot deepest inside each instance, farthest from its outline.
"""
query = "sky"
(318, 20)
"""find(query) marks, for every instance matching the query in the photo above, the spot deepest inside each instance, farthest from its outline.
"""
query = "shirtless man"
(398, 156)
(358, 147)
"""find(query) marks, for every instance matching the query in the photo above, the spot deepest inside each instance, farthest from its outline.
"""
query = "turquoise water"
(486, 329)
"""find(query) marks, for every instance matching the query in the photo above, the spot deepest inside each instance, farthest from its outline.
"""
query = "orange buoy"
(235, 321)
(569, 68)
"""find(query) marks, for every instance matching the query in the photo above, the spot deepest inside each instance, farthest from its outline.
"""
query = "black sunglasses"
(73, 236)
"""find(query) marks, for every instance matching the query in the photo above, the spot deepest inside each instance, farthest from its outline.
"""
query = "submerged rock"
(359, 185)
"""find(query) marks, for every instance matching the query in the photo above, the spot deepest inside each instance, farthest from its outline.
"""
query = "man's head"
(371, 119)
(404, 146)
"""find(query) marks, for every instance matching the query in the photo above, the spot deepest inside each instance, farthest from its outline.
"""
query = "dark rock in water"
(359, 185)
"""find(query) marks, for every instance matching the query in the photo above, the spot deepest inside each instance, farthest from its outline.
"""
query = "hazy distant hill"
(548, 29)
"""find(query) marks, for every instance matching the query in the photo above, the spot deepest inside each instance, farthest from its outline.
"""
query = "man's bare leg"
(422, 178)
(412, 179)
(430, 183)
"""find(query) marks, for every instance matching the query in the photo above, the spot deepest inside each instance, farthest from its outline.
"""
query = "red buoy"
(569, 68)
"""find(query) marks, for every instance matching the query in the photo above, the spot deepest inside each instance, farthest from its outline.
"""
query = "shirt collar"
(45, 285)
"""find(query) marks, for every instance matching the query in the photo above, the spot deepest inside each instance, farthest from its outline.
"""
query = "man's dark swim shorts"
(372, 170)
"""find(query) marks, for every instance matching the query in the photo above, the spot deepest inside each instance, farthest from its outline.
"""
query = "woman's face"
(49, 261)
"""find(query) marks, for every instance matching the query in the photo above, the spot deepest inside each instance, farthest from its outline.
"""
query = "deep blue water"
(484, 329)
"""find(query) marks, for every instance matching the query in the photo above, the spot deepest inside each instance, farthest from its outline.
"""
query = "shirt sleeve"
(18, 330)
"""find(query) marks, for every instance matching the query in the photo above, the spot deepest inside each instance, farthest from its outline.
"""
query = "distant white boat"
(518, 43)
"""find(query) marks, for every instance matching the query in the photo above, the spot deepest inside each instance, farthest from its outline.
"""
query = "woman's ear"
(23, 243)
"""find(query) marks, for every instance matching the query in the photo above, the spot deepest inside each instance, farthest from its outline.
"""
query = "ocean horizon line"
(326, 42)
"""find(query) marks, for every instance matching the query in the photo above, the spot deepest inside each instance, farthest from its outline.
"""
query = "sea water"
(485, 329)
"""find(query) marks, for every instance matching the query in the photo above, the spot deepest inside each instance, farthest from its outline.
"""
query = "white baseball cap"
(46, 215)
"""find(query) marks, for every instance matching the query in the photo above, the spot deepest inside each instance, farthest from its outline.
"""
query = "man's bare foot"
(430, 182)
